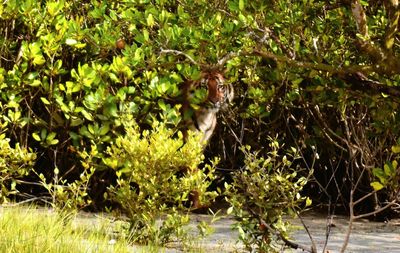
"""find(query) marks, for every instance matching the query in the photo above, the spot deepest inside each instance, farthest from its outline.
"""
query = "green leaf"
(87, 115)
(150, 20)
(241, 5)
(146, 35)
(80, 45)
(43, 133)
(111, 109)
(390, 168)
(396, 149)
(45, 101)
(394, 164)
(162, 105)
(53, 142)
(36, 136)
(91, 129)
(380, 174)
(377, 186)
(308, 201)
(35, 83)
(38, 60)
(104, 129)
(51, 136)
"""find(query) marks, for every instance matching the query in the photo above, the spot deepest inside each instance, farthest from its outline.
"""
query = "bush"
(261, 194)
(15, 162)
(156, 173)
(71, 70)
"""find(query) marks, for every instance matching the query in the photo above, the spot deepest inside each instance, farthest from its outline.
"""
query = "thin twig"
(43, 199)
(226, 58)
(313, 245)
(177, 52)
(364, 197)
(376, 211)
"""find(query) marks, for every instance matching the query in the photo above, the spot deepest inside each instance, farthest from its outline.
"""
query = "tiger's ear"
(204, 74)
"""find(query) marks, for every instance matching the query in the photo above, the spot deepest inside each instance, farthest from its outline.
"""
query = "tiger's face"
(219, 93)
(203, 100)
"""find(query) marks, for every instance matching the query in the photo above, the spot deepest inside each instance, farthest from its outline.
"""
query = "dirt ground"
(367, 237)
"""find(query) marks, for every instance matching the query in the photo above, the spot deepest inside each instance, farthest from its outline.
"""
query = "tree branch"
(392, 8)
(226, 58)
(375, 211)
(316, 66)
(364, 197)
(360, 82)
(353, 75)
(360, 18)
(387, 63)
(176, 52)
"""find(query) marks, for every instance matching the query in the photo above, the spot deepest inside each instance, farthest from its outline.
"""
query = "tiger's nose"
(217, 97)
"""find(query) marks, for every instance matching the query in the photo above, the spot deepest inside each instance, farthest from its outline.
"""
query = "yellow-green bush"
(156, 172)
(15, 162)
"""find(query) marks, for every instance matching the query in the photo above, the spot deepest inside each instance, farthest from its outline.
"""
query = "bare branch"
(327, 131)
(313, 245)
(350, 227)
(226, 58)
(316, 66)
(364, 197)
(376, 211)
(177, 52)
(360, 18)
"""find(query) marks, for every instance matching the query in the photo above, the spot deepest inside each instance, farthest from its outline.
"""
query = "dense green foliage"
(321, 75)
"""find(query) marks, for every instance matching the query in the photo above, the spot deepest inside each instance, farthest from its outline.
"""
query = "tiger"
(202, 117)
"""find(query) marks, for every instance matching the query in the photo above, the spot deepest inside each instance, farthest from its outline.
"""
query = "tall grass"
(29, 230)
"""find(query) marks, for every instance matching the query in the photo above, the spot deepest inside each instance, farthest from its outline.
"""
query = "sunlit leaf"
(396, 149)
(377, 186)
(308, 201)
(71, 42)
(36, 136)
(150, 20)
(45, 101)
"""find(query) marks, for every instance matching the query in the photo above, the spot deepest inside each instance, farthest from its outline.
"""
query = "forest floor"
(366, 236)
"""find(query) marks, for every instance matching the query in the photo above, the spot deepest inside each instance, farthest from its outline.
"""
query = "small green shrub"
(68, 197)
(15, 162)
(262, 193)
(156, 172)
